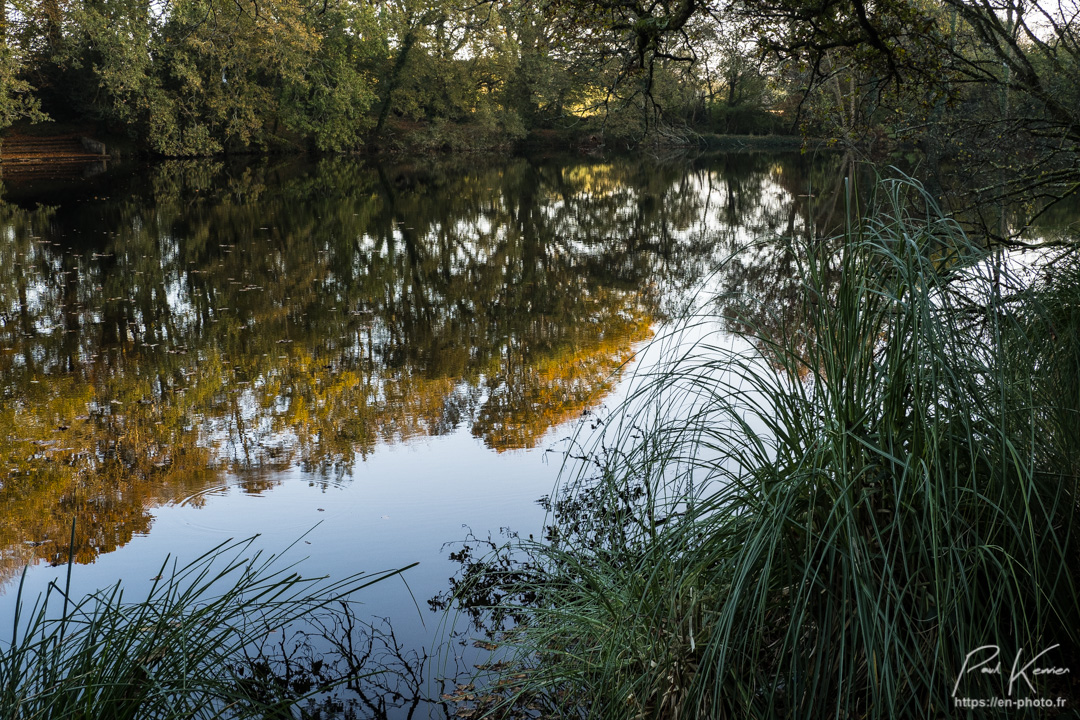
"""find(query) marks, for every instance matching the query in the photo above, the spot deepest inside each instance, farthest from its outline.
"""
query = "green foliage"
(208, 76)
(823, 518)
(742, 120)
(16, 99)
(250, 75)
(329, 101)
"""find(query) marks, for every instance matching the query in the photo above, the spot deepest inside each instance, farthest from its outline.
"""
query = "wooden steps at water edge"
(62, 155)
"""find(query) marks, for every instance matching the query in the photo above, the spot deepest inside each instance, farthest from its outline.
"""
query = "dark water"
(389, 354)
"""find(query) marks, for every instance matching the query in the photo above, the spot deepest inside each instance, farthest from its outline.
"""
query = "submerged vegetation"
(827, 515)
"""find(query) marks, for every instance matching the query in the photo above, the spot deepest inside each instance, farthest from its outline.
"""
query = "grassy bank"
(211, 639)
(830, 515)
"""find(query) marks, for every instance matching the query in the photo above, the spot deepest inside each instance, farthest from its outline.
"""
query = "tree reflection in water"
(169, 330)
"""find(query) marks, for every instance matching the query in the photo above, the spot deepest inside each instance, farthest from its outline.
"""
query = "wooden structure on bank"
(62, 156)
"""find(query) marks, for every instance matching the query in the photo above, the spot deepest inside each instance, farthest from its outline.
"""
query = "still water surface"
(379, 356)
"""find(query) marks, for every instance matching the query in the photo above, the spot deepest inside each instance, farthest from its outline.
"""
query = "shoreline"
(41, 145)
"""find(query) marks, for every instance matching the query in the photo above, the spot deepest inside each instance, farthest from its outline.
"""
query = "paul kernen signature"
(992, 653)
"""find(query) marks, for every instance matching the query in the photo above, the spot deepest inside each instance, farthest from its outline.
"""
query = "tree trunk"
(395, 79)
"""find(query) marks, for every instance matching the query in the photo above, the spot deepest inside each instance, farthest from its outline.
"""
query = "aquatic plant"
(201, 644)
(838, 512)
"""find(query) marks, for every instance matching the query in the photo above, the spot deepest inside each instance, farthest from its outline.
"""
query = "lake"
(366, 360)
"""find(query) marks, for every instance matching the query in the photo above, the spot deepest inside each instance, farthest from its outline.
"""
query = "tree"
(17, 99)
(198, 77)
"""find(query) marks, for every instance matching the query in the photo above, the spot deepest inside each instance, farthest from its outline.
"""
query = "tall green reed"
(196, 646)
(828, 513)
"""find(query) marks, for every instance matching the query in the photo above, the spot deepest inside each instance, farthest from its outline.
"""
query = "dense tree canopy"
(198, 77)
(973, 89)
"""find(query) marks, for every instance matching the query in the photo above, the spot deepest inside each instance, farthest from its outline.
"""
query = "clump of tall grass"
(198, 645)
(824, 516)
(1050, 320)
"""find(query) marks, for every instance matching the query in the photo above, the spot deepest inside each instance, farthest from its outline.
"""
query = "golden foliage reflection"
(209, 324)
